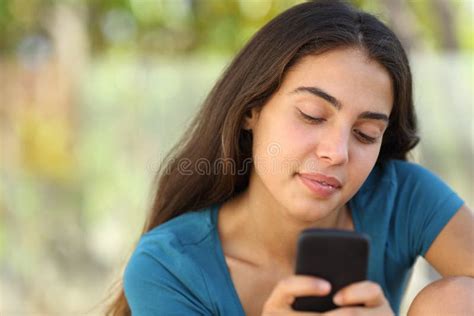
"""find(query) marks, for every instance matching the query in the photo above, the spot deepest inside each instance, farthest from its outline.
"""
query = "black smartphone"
(338, 256)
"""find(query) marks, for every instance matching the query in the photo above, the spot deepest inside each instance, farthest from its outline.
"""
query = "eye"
(311, 119)
(363, 138)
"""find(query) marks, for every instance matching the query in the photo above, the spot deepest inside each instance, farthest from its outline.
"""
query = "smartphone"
(338, 256)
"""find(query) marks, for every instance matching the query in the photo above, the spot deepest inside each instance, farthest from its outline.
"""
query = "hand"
(366, 293)
(283, 295)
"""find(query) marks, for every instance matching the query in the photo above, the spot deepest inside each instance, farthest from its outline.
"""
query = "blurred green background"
(94, 93)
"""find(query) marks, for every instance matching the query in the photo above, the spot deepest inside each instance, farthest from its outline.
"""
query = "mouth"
(323, 189)
(326, 184)
(324, 180)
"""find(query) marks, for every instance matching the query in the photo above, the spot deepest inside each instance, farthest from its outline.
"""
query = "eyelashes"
(363, 138)
(311, 119)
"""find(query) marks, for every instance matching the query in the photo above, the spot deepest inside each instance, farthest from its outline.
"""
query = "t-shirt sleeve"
(428, 204)
(153, 289)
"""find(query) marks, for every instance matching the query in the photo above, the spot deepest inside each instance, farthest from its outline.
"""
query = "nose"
(333, 146)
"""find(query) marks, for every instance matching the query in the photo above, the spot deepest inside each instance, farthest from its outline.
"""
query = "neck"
(266, 231)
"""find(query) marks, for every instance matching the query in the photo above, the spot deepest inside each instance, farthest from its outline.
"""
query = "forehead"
(348, 75)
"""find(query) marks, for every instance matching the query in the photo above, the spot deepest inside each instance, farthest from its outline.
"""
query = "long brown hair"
(252, 77)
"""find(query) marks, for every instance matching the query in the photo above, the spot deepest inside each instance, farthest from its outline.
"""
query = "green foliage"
(185, 26)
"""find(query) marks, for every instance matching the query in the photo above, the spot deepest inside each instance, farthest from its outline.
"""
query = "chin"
(310, 213)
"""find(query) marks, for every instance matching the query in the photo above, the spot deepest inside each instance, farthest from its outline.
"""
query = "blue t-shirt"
(179, 268)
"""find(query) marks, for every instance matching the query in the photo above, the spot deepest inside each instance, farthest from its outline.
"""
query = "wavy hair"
(256, 72)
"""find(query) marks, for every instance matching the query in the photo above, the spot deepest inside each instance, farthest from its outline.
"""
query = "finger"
(294, 313)
(297, 285)
(366, 292)
(346, 311)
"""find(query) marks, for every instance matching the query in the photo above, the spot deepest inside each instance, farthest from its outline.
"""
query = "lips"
(321, 186)
(322, 179)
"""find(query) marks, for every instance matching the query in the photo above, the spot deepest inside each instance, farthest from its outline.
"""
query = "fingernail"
(337, 299)
(324, 285)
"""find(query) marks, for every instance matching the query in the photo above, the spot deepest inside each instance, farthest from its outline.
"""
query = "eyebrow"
(337, 104)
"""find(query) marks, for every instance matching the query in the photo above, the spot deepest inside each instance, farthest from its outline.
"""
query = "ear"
(250, 119)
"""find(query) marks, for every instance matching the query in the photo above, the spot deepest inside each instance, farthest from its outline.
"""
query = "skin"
(285, 144)
(259, 228)
(452, 255)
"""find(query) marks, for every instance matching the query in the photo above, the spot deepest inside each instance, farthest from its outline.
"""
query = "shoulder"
(164, 261)
(405, 188)
(402, 195)
(186, 229)
(408, 171)
(407, 203)
(393, 175)
(168, 242)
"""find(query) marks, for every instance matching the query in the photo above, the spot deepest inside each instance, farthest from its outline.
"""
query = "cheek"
(362, 161)
(294, 137)
(297, 143)
(279, 146)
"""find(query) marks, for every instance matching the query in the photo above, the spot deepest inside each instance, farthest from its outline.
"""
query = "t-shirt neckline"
(221, 258)
(220, 251)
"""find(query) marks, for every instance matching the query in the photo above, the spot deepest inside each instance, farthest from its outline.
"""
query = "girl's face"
(318, 137)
